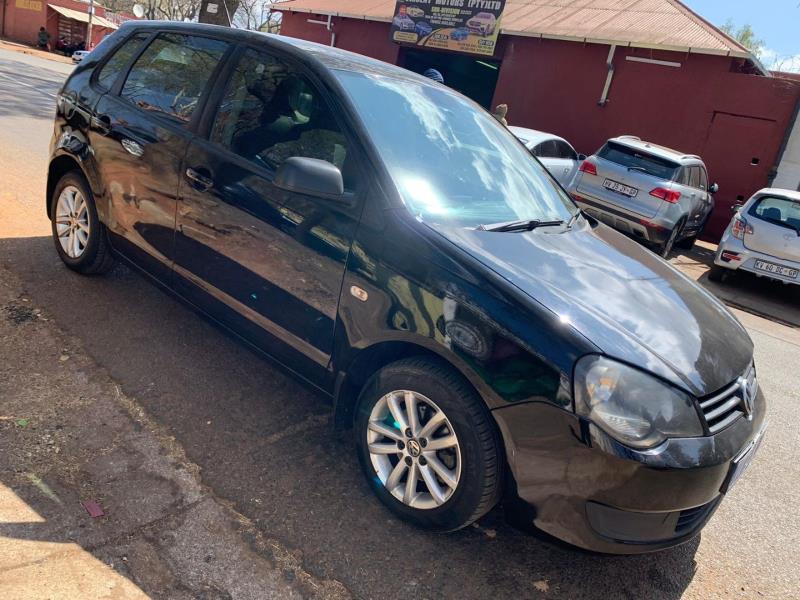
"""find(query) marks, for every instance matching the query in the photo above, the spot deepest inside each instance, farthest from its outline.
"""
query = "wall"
(789, 168)
(23, 18)
(704, 107)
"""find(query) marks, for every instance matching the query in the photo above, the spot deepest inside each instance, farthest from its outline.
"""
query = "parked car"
(460, 34)
(763, 238)
(483, 24)
(656, 194)
(79, 55)
(479, 335)
(423, 28)
(555, 153)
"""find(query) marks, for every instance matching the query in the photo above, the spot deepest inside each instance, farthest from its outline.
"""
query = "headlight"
(631, 406)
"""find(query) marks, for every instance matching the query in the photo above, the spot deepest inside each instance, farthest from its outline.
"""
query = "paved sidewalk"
(25, 49)
(757, 295)
(68, 436)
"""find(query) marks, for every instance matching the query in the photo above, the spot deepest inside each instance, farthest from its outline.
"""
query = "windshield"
(452, 162)
(781, 211)
(635, 159)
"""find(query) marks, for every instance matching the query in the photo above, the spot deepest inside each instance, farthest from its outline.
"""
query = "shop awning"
(83, 17)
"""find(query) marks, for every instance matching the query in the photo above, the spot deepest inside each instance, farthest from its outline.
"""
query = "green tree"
(745, 36)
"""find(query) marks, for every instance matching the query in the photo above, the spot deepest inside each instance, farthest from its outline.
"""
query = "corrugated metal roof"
(666, 24)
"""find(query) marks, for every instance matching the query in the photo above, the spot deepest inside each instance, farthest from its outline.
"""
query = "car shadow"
(264, 442)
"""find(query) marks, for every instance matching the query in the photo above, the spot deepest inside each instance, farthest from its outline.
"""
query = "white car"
(555, 153)
(79, 55)
(762, 238)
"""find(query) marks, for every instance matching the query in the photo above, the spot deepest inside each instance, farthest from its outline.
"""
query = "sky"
(774, 21)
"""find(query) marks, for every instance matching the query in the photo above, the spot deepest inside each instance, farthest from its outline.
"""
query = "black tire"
(687, 243)
(719, 274)
(96, 257)
(665, 248)
(480, 484)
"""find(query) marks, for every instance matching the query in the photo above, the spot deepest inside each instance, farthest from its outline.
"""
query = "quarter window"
(110, 71)
(271, 112)
(171, 74)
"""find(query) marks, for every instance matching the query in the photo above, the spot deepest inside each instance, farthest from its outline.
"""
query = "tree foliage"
(745, 36)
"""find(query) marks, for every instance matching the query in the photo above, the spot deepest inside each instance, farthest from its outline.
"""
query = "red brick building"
(20, 21)
(590, 69)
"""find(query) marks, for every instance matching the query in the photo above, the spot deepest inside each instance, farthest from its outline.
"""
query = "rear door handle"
(132, 147)
(199, 181)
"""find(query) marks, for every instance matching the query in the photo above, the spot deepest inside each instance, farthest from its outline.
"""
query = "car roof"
(637, 143)
(791, 194)
(533, 136)
(326, 56)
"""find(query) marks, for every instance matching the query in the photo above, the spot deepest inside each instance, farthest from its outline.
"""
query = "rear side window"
(171, 74)
(545, 149)
(564, 150)
(780, 211)
(110, 71)
(637, 160)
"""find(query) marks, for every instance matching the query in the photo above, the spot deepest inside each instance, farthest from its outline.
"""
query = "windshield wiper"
(573, 218)
(525, 225)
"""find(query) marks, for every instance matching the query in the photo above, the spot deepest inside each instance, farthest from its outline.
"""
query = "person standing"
(43, 40)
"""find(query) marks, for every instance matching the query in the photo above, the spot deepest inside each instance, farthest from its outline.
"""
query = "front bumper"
(584, 488)
(733, 254)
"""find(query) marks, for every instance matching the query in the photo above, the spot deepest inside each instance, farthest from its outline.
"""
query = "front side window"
(271, 112)
(694, 177)
(451, 162)
(171, 74)
(779, 211)
(637, 160)
(564, 150)
(703, 179)
(110, 71)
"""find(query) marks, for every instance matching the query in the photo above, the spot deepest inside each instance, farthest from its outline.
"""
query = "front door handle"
(199, 181)
(132, 147)
(101, 123)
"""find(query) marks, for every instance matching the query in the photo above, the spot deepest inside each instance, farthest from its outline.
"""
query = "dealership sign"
(459, 25)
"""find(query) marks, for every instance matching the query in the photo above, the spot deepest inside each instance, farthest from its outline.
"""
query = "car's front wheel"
(79, 236)
(427, 445)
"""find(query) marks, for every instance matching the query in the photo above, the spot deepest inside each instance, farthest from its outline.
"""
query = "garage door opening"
(474, 77)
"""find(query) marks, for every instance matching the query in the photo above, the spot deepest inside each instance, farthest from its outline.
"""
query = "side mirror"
(310, 176)
(582, 157)
(713, 188)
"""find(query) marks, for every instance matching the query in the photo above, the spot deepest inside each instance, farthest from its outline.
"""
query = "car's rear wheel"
(719, 274)
(79, 236)
(667, 246)
(687, 243)
(427, 445)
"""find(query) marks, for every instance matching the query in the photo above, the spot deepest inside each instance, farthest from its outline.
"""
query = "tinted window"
(271, 112)
(780, 211)
(544, 150)
(694, 177)
(636, 159)
(683, 176)
(564, 150)
(452, 163)
(703, 179)
(109, 72)
(171, 74)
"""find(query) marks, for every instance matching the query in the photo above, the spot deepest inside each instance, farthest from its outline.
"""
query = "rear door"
(267, 262)
(141, 129)
(626, 176)
(775, 222)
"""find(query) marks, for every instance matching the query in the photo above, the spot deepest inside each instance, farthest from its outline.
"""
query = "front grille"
(724, 407)
(690, 518)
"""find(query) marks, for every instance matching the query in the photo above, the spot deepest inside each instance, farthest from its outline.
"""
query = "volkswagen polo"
(389, 242)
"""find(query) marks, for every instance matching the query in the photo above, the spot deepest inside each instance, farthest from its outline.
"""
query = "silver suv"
(656, 194)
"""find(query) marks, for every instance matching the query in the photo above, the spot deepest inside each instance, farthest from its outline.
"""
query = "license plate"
(769, 267)
(620, 188)
(741, 462)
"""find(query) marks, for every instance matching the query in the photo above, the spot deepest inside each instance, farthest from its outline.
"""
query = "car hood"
(621, 297)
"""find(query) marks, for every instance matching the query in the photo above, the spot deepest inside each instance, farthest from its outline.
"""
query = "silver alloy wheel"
(72, 221)
(414, 449)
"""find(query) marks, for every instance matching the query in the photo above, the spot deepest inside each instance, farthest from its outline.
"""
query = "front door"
(140, 132)
(266, 262)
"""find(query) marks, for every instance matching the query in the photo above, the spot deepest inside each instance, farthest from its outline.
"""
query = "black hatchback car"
(391, 243)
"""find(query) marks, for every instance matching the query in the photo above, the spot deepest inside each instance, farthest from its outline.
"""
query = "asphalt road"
(263, 441)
